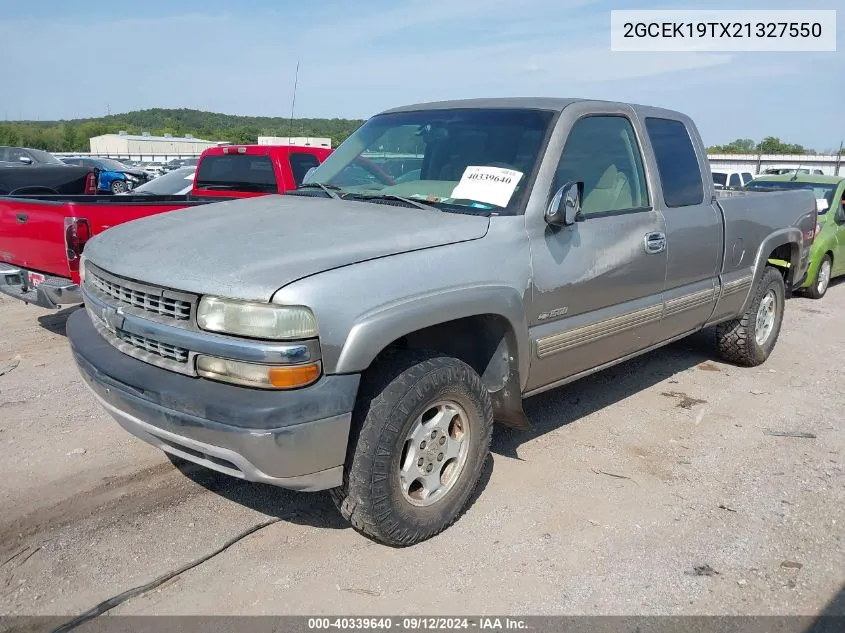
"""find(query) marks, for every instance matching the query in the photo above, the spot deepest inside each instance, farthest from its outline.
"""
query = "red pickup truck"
(42, 236)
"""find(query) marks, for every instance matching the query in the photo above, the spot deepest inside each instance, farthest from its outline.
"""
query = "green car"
(827, 256)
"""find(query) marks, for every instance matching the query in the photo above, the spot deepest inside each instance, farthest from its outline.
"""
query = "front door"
(596, 295)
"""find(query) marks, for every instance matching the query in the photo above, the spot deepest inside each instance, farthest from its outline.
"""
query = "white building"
(298, 141)
(144, 145)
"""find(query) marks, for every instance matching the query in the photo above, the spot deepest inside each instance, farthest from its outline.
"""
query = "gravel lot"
(631, 480)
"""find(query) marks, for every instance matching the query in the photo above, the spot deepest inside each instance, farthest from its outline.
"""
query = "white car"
(175, 183)
(154, 169)
(724, 179)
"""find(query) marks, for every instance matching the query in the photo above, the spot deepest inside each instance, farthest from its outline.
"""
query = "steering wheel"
(380, 174)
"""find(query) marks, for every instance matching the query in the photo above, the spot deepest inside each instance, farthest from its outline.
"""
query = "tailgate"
(32, 235)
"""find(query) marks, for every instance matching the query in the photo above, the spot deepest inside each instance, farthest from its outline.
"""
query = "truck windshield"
(822, 191)
(458, 159)
(237, 172)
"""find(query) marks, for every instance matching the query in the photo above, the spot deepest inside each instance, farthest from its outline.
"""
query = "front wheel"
(421, 434)
(822, 281)
(118, 186)
(750, 339)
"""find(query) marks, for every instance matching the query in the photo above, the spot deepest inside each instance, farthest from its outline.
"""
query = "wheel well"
(485, 342)
(785, 259)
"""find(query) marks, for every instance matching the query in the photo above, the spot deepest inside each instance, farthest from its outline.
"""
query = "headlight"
(130, 177)
(257, 320)
(254, 375)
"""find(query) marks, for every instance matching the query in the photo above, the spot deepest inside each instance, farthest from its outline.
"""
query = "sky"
(80, 59)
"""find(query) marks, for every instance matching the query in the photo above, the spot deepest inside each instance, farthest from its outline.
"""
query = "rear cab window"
(237, 172)
(300, 163)
(677, 164)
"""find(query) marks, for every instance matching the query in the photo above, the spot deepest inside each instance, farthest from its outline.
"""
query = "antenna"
(293, 102)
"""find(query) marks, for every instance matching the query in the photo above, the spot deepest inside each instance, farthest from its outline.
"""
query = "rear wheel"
(822, 281)
(421, 434)
(118, 186)
(750, 339)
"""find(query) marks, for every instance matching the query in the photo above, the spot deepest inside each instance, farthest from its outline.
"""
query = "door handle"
(655, 242)
(21, 218)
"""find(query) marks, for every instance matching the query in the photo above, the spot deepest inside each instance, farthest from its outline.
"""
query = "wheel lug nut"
(429, 467)
(442, 440)
(422, 445)
(433, 434)
(420, 462)
(440, 457)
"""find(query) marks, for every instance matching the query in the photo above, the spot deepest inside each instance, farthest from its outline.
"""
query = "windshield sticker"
(821, 204)
(491, 185)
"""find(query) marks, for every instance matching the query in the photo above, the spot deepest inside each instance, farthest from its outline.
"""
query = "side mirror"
(565, 207)
(26, 160)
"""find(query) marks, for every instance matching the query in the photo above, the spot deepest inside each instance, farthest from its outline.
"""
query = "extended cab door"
(597, 284)
(694, 240)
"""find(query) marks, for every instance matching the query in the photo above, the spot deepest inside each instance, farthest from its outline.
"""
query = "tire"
(118, 186)
(395, 395)
(737, 340)
(822, 281)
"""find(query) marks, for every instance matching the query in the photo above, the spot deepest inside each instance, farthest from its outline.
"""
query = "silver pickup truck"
(362, 333)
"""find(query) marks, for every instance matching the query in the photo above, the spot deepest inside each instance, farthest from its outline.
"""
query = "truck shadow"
(314, 509)
(55, 322)
(558, 407)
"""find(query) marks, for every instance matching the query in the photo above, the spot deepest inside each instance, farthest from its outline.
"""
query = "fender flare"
(374, 330)
(790, 235)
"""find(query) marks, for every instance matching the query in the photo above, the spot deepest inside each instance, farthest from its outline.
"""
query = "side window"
(735, 181)
(602, 152)
(677, 165)
(300, 163)
(746, 178)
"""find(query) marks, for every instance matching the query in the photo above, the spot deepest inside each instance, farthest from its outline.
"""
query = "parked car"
(18, 179)
(176, 163)
(174, 183)
(153, 169)
(724, 179)
(26, 156)
(42, 256)
(115, 177)
(363, 336)
(827, 257)
(795, 169)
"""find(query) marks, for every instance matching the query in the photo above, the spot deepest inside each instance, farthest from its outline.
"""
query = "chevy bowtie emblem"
(113, 317)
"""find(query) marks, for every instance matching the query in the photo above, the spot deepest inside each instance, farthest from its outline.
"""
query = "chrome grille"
(165, 350)
(142, 299)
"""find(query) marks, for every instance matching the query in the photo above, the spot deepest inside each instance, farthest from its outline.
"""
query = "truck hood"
(248, 249)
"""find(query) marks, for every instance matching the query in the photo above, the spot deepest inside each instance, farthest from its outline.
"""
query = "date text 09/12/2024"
(417, 624)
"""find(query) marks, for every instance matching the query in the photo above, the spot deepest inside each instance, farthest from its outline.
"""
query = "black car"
(26, 156)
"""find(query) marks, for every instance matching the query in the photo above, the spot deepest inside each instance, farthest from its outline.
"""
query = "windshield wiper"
(393, 196)
(329, 189)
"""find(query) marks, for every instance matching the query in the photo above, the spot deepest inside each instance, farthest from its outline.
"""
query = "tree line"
(769, 145)
(73, 135)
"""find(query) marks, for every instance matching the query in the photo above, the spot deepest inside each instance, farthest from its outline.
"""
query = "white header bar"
(723, 31)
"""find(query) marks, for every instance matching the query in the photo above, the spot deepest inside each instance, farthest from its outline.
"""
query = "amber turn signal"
(293, 376)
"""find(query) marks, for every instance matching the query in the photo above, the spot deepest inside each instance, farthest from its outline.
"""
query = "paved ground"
(632, 479)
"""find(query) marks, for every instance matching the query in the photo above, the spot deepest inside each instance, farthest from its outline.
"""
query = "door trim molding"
(570, 339)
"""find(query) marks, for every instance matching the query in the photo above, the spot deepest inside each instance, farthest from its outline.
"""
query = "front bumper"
(293, 439)
(51, 293)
